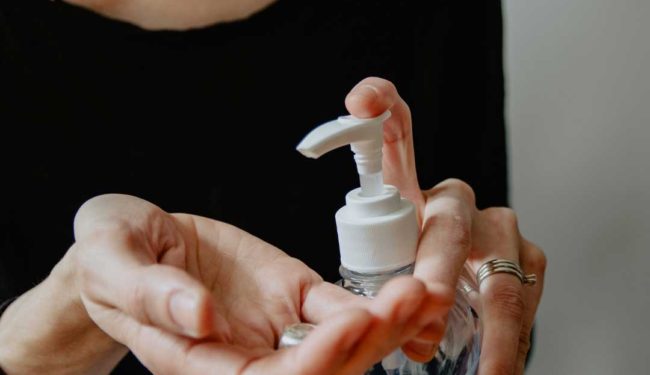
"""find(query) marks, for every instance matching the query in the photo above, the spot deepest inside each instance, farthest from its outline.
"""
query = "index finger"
(370, 98)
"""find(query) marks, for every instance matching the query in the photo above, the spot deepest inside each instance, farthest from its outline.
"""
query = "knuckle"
(462, 188)
(508, 300)
(502, 217)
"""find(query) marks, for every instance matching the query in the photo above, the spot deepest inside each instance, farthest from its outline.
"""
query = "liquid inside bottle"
(458, 352)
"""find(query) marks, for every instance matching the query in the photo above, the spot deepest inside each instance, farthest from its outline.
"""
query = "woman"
(141, 107)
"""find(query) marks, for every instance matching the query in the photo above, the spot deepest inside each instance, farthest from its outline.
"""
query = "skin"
(193, 295)
(174, 15)
(455, 232)
(116, 287)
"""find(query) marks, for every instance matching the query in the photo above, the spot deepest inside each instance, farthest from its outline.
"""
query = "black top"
(92, 106)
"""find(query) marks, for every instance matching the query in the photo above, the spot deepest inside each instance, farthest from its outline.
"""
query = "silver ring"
(495, 266)
(466, 288)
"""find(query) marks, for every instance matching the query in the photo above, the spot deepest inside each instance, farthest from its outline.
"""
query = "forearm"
(47, 330)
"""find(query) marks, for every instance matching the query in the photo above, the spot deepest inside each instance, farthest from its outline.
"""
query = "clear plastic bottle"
(378, 238)
(460, 349)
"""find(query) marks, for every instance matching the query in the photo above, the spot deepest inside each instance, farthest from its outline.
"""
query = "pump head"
(377, 228)
(365, 136)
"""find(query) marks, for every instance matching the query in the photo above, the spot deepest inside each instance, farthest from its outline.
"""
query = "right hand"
(192, 295)
(455, 233)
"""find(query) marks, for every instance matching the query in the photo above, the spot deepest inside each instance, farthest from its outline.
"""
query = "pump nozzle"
(365, 136)
(377, 228)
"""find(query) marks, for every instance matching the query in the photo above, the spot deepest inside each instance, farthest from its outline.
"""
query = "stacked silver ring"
(495, 266)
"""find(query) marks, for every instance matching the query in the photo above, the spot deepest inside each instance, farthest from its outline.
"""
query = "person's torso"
(207, 121)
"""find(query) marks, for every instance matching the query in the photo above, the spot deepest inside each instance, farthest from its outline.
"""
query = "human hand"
(455, 232)
(192, 295)
(48, 331)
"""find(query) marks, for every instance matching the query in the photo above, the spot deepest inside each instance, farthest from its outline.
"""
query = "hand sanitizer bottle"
(378, 236)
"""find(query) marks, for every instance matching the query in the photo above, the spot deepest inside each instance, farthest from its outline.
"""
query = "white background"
(578, 107)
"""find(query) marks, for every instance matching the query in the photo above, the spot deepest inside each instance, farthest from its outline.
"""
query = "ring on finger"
(495, 266)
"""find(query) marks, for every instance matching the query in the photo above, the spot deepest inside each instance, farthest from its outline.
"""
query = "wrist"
(47, 330)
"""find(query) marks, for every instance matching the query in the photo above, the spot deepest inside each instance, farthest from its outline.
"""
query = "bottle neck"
(368, 284)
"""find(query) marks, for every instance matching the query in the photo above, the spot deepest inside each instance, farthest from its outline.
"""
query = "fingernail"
(367, 92)
(182, 307)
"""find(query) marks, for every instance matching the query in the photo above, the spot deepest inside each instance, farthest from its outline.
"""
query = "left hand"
(454, 232)
(191, 295)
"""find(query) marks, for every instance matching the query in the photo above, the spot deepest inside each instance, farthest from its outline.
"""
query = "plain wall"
(578, 109)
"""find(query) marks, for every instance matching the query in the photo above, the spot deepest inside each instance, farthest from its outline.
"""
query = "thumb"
(169, 298)
(153, 294)
(119, 242)
(372, 97)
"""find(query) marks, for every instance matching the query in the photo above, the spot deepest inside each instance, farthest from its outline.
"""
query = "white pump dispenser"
(377, 228)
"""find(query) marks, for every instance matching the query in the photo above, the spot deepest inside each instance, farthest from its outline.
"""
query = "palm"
(258, 286)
